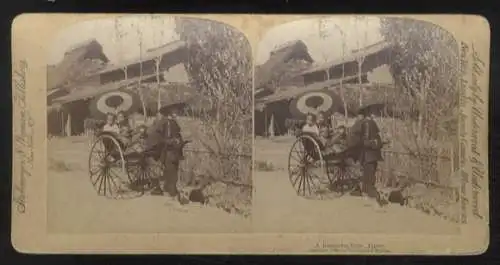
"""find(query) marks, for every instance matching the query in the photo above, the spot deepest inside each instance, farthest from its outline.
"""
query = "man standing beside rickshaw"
(165, 137)
(367, 144)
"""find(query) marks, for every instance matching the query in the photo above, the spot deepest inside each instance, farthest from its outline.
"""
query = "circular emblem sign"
(315, 101)
(113, 102)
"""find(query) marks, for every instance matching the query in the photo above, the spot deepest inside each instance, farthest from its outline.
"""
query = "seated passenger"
(310, 126)
(322, 121)
(325, 136)
(110, 125)
(137, 143)
(125, 130)
(336, 143)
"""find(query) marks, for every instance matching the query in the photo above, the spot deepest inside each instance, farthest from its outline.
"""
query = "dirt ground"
(277, 207)
(75, 207)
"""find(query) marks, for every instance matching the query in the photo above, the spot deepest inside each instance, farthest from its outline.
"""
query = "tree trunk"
(157, 62)
(360, 81)
(342, 92)
(141, 95)
(144, 110)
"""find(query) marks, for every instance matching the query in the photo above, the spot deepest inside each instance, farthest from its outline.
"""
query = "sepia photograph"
(250, 134)
(356, 127)
(149, 127)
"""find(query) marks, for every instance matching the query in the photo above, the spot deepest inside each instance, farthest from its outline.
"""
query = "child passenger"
(110, 125)
(311, 126)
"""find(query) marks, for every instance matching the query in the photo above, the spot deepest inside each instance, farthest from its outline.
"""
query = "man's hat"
(167, 109)
(371, 109)
(362, 110)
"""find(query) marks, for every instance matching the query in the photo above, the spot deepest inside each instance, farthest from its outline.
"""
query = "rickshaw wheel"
(107, 168)
(306, 167)
(141, 170)
(342, 176)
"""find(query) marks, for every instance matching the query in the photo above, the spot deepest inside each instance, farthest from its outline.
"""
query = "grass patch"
(264, 166)
(59, 166)
(436, 202)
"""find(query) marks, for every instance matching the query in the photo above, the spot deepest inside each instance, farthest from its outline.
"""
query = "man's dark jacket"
(165, 135)
(364, 141)
(371, 141)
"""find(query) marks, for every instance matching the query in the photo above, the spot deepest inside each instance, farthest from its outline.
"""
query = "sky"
(155, 30)
(323, 37)
(158, 30)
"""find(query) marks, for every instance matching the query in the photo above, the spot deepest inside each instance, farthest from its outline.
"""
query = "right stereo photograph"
(355, 123)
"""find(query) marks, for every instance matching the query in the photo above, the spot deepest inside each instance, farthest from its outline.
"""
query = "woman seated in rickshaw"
(120, 127)
(333, 144)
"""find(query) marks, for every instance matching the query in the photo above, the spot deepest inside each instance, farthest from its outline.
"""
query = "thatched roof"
(151, 54)
(350, 58)
(79, 61)
(87, 92)
(285, 93)
(278, 58)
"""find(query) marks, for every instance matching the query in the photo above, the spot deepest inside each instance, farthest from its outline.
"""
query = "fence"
(440, 194)
(436, 170)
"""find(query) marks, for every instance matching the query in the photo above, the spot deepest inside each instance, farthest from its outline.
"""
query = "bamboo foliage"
(158, 39)
(141, 94)
(424, 66)
(119, 35)
(219, 65)
(360, 59)
(324, 34)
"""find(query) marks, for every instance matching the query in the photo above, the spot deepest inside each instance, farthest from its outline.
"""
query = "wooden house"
(343, 72)
(164, 64)
(282, 67)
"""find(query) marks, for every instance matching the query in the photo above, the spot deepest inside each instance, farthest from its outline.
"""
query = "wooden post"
(68, 124)
(139, 89)
(265, 123)
(125, 72)
(271, 126)
(157, 64)
(452, 158)
(361, 92)
(62, 130)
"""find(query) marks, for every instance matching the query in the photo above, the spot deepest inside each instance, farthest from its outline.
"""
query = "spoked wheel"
(107, 168)
(306, 168)
(344, 177)
(140, 170)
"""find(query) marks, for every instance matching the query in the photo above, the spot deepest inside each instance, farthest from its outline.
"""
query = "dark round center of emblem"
(314, 102)
(114, 101)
